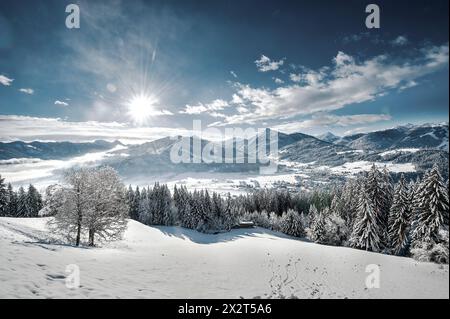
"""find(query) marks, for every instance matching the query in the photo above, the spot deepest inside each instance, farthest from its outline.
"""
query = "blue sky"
(141, 69)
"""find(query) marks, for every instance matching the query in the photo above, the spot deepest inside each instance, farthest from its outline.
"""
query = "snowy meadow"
(91, 237)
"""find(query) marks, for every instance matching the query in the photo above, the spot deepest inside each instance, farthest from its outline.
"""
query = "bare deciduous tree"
(93, 201)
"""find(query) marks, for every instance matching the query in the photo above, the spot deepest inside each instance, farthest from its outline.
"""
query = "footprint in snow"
(55, 277)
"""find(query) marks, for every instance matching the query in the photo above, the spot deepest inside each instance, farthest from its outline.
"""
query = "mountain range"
(421, 145)
(51, 150)
(426, 136)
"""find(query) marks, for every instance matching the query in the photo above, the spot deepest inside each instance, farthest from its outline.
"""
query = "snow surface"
(400, 150)
(352, 168)
(172, 262)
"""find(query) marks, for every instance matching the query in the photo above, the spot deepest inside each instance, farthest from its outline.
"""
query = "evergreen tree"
(291, 224)
(432, 208)
(366, 231)
(134, 208)
(182, 200)
(3, 198)
(388, 185)
(12, 201)
(144, 211)
(400, 219)
(347, 206)
(318, 231)
(33, 202)
(376, 190)
(22, 210)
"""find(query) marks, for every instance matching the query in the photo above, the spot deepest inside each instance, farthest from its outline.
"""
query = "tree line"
(369, 212)
(23, 203)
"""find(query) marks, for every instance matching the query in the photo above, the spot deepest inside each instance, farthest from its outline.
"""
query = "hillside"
(171, 262)
(426, 136)
(51, 150)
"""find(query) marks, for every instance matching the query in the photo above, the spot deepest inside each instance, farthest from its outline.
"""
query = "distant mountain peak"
(329, 137)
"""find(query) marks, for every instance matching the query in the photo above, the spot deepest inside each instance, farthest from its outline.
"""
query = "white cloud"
(348, 82)
(400, 41)
(236, 99)
(216, 105)
(62, 103)
(26, 90)
(233, 74)
(408, 85)
(278, 80)
(4, 80)
(194, 109)
(242, 109)
(295, 77)
(265, 64)
(217, 115)
(26, 128)
(308, 77)
(111, 87)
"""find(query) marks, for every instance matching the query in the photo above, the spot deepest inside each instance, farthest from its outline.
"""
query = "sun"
(141, 107)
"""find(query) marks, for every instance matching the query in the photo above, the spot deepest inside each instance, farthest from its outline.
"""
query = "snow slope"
(171, 262)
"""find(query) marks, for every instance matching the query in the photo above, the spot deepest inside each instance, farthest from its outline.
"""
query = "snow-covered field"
(171, 262)
(352, 168)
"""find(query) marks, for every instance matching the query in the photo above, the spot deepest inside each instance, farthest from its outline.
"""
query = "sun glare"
(141, 108)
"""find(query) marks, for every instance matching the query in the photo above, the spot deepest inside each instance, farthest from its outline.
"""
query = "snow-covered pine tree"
(349, 200)
(134, 209)
(3, 197)
(144, 211)
(196, 215)
(206, 222)
(388, 185)
(33, 202)
(376, 191)
(432, 209)
(337, 206)
(217, 211)
(182, 202)
(12, 201)
(318, 231)
(168, 211)
(366, 231)
(21, 202)
(414, 190)
(291, 224)
(400, 219)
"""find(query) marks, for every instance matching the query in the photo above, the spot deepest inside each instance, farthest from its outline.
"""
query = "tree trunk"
(77, 243)
(79, 219)
(91, 237)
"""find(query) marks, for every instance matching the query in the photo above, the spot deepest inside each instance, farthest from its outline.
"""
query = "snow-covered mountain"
(426, 136)
(402, 145)
(154, 157)
(415, 147)
(51, 150)
(329, 137)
